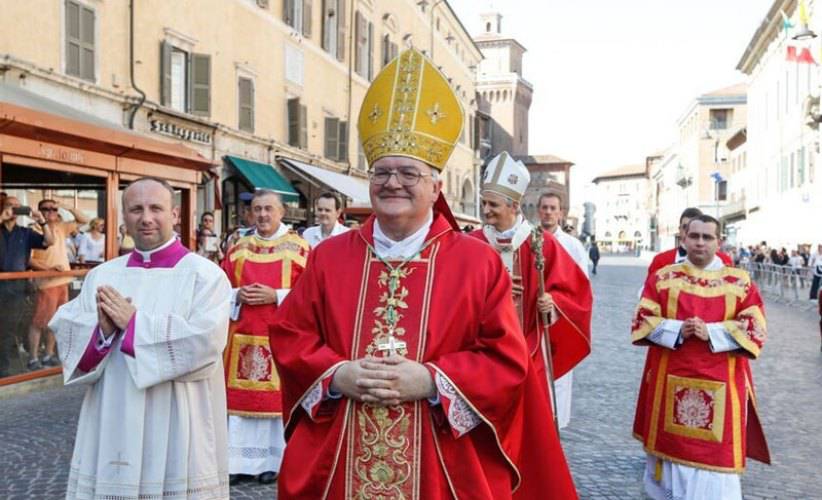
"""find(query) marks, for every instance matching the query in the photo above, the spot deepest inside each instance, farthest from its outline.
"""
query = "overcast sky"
(611, 77)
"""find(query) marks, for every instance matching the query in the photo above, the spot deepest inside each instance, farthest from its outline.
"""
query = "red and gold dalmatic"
(252, 382)
(697, 407)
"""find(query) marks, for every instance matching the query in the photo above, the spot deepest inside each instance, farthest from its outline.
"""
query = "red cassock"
(252, 382)
(668, 257)
(697, 407)
(456, 316)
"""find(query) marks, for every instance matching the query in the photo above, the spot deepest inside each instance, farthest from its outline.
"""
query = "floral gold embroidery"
(388, 313)
(383, 467)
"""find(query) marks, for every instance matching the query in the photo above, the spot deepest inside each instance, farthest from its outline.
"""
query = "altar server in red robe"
(404, 371)
(567, 300)
(696, 413)
(262, 267)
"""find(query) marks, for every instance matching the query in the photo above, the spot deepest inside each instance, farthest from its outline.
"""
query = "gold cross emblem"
(434, 114)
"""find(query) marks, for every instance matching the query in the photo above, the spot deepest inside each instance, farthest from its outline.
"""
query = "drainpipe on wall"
(133, 111)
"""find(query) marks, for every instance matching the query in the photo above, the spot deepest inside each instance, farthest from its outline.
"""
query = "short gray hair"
(260, 192)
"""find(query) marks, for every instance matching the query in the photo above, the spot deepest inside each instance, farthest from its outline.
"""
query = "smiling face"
(268, 212)
(394, 200)
(326, 212)
(148, 214)
(498, 211)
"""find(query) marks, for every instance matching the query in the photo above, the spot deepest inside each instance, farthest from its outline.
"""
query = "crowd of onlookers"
(801, 261)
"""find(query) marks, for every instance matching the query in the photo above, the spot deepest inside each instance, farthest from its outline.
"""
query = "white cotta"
(152, 425)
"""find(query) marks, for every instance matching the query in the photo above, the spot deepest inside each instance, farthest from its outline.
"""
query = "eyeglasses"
(406, 176)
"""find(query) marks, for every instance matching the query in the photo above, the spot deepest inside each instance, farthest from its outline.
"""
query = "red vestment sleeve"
(573, 300)
(489, 374)
(299, 350)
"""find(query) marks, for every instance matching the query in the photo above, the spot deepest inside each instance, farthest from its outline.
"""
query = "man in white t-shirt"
(327, 210)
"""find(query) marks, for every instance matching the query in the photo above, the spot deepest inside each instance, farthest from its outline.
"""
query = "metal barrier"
(785, 282)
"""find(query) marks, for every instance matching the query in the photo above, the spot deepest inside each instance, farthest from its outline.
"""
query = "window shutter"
(288, 12)
(165, 73)
(303, 127)
(370, 49)
(385, 50)
(200, 81)
(246, 94)
(332, 126)
(341, 27)
(307, 18)
(358, 43)
(325, 31)
(72, 38)
(343, 142)
(87, 43)
(294, 122)
(394, 51)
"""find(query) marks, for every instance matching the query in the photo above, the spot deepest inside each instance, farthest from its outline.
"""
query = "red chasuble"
(252, 383)
(456, 316)
(697, 407)
(573, 300)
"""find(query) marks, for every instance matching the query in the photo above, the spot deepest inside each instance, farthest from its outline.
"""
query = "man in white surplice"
(550, 215)
(146, 336)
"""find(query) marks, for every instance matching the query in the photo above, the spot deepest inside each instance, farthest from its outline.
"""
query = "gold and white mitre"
(410, 110)
(506, 176)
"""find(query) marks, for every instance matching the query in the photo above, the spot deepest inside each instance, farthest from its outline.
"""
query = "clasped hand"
(113, 310)
(384, 381)
(694, 327)
(257, 294)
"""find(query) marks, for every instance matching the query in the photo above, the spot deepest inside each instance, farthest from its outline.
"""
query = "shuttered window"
(363, 36)
(246, 104)
(389, 50)
(185, 80)
(297, 124)
(336, 139)
(333, 28)
(79, 40)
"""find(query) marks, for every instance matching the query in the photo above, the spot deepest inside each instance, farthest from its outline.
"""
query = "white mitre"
(506, 177)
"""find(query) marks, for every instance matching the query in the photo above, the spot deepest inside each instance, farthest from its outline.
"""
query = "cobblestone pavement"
(37, 430)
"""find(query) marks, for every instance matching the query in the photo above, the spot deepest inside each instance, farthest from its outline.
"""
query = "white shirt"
(387, 248)
(314, 234)
(91, 250)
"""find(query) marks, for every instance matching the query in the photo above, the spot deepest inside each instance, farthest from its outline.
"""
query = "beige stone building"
(622, 215)
(267, 90)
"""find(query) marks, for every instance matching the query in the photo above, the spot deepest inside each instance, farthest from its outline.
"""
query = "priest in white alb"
(145, 336)
(549, 207)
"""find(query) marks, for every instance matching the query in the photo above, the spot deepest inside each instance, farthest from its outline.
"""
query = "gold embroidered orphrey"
(386, 464)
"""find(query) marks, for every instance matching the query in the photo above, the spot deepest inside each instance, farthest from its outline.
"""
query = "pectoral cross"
(391, 346)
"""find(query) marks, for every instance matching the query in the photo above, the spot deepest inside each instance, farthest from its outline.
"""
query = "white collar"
(146, 254)
(517, 234)
(387, 248)
(715, 264)
(335, 230)
(277, 234)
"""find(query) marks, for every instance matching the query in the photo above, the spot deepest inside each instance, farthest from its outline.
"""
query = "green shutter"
(332, 127)
(165, 73)
(72, 38)
(341, 28)
(293, 111)
(246, 101)
(303, 127)
(200, 84)
(342, 137)
(307, 18)
(87, 43)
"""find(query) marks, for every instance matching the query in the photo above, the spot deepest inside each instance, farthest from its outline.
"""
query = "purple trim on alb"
(165, 258)
(127, 347)
(93, 355)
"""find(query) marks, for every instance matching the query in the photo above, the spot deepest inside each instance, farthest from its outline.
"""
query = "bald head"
(149, 212)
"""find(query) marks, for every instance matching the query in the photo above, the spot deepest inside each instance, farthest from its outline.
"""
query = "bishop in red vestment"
(404, 371)
(262, 268)
(702, 321)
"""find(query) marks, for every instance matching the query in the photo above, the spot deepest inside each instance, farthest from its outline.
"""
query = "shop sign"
(62, 155)
(179, 131)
